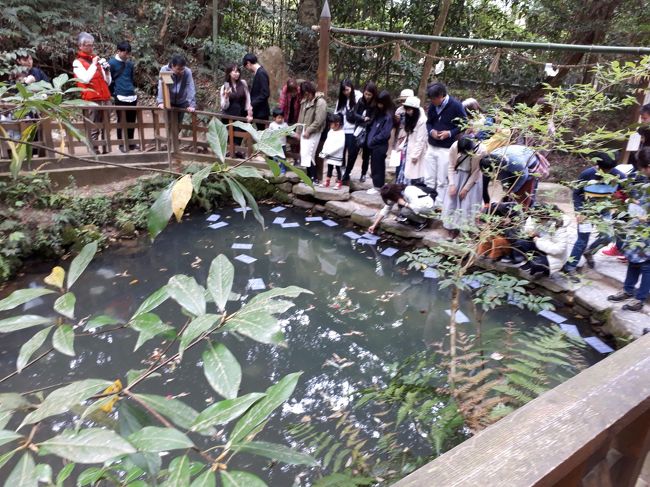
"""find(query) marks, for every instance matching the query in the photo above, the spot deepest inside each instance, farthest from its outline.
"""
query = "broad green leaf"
(220, 279)
(206, 479)
(5, 416)
(22, 296)
(176, 411)
(247, 127)
(64, 473)
(186, 292)
(10, 401)
(133, 374)
(44, 473)
(246, 172)
(217, 137)
(64, 305)
(197, 326)
(273, 166)
(30, 346)
(160, 212)
(80, 262)
(90, 476)
(101, 320)
(152, 302)
(56, 277)
(149, 325)
(4, 458)
(155, 439)
(23, 474)
(179, 472)
(181, 195)
(63, 340)
(225, 411)
(275, 451)
(92, 445)
(275, 396)
(235, 478)
(253, 204)
(199, 176)
(237, 194)
(7, 436)
(21, 322)
(62, 400)
(270, 143)
(222, 370)
(258, 325)
(60, 81)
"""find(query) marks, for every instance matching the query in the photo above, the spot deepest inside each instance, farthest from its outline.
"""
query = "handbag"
(395, 158)
(360, 135)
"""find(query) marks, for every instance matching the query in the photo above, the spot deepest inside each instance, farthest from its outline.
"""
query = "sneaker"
(339, 184)
(401, 219)
(421, 226)
(590, 260)
(622, 258)
(619, 296)
(372, 191)
(572, 275)
(634, 305)
(362, 179)
(506, 259)
(612, 251)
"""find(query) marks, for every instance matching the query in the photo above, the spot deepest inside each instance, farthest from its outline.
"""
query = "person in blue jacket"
(592, 177)
(123, 90)
(445, 119)
(378, 136)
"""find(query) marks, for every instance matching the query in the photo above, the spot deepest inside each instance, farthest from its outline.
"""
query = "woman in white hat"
(413, 140)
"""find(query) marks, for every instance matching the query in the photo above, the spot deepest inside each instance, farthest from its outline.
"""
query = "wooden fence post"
(324, 47)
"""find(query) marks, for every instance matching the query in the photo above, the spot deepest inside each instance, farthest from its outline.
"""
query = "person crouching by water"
(544, 242)
(463, 201)
(416, 206)
(333, 148)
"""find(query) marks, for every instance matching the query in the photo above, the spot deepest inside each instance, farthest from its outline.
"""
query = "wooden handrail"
(593, 430)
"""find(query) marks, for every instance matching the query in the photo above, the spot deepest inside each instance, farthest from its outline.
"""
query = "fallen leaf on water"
(305, 419)
(163, 269)
(368, 292)
(353, 333)
(185, 253)
(197, 262)
(134, 281)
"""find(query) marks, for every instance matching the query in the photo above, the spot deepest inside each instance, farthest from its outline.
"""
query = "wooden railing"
(591, 431)
(157, 138)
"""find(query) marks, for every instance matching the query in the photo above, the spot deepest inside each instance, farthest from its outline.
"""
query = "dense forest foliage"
(156, 28)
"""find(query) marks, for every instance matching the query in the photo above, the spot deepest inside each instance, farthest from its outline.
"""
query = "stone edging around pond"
(588, 298)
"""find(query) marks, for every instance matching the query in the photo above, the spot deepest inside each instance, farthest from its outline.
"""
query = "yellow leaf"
(56, 277)
(114, 387)
(181, 194)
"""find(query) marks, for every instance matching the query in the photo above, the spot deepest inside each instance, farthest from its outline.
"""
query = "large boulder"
(341, 208)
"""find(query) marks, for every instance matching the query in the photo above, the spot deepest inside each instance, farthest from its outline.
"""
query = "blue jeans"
(580, 246)
(634, 271)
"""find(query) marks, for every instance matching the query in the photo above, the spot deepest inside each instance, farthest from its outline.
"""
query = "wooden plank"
(194, 130)
(156, 127)
(538, 444)
(106, 123)
(141, 128)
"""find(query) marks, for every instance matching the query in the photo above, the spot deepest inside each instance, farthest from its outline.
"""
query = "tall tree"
(438, 27)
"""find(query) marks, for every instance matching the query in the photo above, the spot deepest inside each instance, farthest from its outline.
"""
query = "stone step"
(369, 200)
(341, 208)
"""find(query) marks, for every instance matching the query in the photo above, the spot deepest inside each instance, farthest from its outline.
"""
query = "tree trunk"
(306, 55)
(438, 27)
(597, 14)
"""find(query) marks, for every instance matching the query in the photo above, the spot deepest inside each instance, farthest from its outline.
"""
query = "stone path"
(588, 298)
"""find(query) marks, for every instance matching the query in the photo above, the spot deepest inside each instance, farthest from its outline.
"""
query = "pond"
(367, 313)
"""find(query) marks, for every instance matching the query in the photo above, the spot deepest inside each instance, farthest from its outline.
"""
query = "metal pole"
(545, 46)
(324, 47)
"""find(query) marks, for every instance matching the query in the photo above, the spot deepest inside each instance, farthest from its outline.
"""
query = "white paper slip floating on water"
(217, 225)
(240, 209)
(256, 284)
(430, 273)
(213, 218)
(330, 223)
(279, 220)
(599, 345)
(554, 317)
(390, 251)
(278, 209)
(246, 259)
(570, 329)
(352, 235)
(241, 246)
(314, 219)
(460, 316)
(370, 236)
(366, 241)
(290, 225)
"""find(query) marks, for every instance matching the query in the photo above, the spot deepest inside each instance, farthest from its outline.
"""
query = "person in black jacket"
(27, 62)
(445, 119)
(361, 116)
(377, 141)
(260, 90)
(123, 90)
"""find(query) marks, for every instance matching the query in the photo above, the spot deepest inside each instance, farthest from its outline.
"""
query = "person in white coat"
(412, 141)
(547, 242)
(333, 149)
(416, 206)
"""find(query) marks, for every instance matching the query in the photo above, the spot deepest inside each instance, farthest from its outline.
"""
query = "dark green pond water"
(366, 313)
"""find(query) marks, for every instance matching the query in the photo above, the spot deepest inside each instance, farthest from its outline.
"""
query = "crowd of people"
(438, 154)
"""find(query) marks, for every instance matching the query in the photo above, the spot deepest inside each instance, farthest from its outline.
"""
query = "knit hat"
(412, 101)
